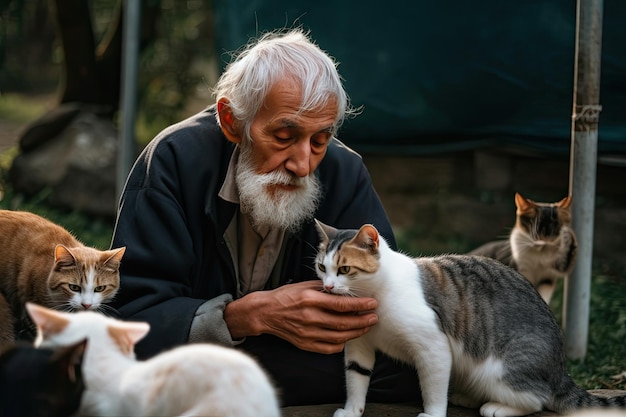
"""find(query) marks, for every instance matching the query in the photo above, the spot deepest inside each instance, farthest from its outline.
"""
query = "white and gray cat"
(191, 380)
(471, 326)
(542, 246)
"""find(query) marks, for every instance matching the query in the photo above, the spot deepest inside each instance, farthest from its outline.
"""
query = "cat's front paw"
(494, 409)
(340, 412)
(424, 415)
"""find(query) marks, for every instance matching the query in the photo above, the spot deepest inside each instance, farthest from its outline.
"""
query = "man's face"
(285, 140)
(275, 170)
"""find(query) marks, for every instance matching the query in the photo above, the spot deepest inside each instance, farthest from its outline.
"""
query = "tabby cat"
(467, 323)
(541, 246)
(43, 263)
(41, 382)
(191, 380)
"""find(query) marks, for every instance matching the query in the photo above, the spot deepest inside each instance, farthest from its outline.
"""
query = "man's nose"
(299, 160)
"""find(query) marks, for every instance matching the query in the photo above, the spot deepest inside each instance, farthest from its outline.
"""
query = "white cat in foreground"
(191, 380)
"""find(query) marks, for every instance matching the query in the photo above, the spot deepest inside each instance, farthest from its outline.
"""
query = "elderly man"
(217, 218)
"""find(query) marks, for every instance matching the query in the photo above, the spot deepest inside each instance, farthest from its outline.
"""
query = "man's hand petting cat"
(303, 315)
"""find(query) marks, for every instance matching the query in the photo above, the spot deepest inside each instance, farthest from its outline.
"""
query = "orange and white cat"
(191, 380)
(43, 263)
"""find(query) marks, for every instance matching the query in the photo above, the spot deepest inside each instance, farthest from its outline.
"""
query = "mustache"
(281, 178)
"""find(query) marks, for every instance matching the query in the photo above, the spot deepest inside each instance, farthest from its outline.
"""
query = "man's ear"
(227, 121)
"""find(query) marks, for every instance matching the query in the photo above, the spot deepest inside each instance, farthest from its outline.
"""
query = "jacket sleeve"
(162, 223)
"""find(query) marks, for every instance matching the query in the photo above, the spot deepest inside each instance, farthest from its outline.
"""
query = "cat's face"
(84, 278)
(57, 329)
(346, 259)
(542, 222)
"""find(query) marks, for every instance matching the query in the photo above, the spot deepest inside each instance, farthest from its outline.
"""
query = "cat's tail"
(573, 398)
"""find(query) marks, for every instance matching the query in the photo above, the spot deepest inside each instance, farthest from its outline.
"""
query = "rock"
(77, 165)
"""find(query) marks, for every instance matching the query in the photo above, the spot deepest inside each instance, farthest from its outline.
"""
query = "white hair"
(274, 56)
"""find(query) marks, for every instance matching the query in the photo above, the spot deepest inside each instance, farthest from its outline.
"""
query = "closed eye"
(344, 269)
(283, 139)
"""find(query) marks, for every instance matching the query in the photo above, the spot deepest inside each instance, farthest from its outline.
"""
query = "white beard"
(277, 208)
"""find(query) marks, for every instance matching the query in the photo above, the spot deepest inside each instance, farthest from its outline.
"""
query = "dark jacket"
(172, 223)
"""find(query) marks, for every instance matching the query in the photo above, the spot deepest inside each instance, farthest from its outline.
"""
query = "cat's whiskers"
(525, 241)
(312, 268)
(107, 310)
(309, 244)
(66, 307)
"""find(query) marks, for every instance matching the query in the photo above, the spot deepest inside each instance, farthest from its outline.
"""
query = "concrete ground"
(412, 410)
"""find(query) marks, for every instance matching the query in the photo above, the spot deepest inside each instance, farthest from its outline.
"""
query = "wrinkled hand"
(303, 315)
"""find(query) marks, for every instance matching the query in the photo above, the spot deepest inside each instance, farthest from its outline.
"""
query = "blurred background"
(464, 104)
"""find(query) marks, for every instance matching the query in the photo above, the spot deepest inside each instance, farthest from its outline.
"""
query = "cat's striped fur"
(467, 323)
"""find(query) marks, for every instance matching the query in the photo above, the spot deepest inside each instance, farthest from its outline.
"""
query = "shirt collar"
(229, 191)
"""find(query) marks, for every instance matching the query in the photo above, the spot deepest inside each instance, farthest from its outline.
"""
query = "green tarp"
(436, 76)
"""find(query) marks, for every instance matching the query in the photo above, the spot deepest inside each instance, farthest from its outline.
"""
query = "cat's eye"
(74, 287)
(99, 288)
(344, 269)
(321, 267)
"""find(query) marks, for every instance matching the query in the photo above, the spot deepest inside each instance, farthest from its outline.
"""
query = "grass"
(606, 350)
(23, 108)
(96, 232)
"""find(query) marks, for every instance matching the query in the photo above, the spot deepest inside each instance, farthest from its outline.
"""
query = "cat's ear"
(565, 203)
(523, 204)
(325, 231)
(115, 257)
(47, 321)
(63, 257)
(367, 237)
(126, 334)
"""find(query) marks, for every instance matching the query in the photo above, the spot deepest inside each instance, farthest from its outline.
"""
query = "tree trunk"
(80, 79)
(93, 75)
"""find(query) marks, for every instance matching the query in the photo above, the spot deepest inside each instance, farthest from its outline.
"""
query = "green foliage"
(175, 65)
(606, 351)
(91, 231)
(21, 108)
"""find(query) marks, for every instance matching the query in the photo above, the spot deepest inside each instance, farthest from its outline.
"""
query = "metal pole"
(583, 159)
(128, 104)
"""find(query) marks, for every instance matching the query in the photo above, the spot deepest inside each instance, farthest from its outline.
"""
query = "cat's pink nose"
(86, 306)
(329, 287)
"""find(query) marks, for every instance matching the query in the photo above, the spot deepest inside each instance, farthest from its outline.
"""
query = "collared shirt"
(254, 250)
